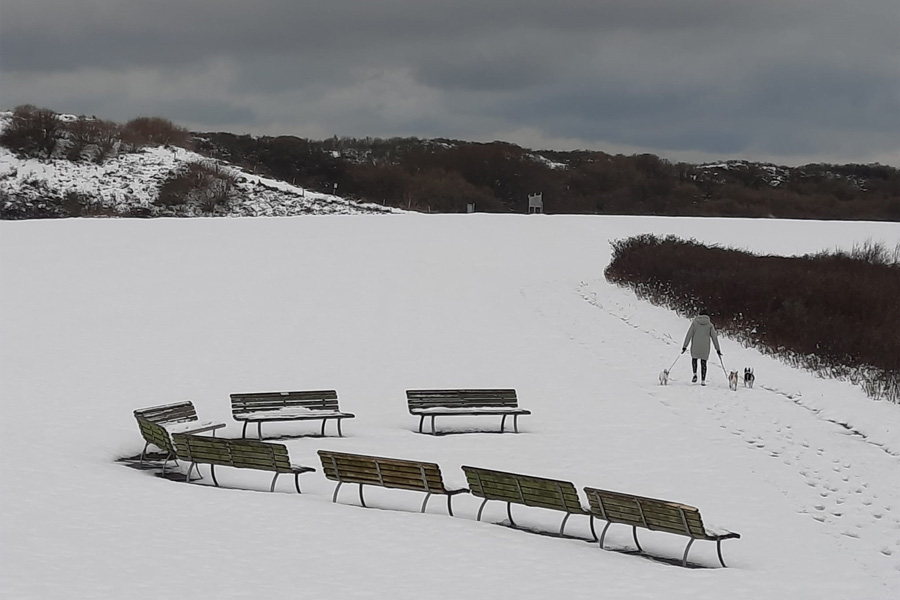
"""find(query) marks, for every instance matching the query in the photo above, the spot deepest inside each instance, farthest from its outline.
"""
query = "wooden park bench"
(241, 454)
(157, 423)
(261, 407)
(514, 488)
(652, 514)
(436, 403)
(386, 472)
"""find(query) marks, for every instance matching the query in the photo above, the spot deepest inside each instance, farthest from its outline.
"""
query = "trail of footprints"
(839, 497)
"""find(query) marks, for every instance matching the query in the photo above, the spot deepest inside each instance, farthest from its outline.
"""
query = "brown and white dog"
(733, 380)
(664, 377)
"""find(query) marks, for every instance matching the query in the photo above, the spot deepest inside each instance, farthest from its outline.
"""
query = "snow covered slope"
(127, 183)
(99, 317)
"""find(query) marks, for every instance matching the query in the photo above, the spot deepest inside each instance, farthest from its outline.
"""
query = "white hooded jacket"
(698, 336)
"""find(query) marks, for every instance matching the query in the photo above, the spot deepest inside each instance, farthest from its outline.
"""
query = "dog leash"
(673, 364)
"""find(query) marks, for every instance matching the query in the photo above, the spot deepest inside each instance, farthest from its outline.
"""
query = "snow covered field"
(100, 317)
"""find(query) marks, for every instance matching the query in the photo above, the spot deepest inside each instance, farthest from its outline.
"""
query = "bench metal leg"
(361, 499)
(336, 490)
(634, 533)
(191, 468)
(425, 502)
(603, 535)
(144, 451)
(169, 457)
(562, 528)
(719, 552)
(509, 513)
(516, 423)
(244, 430)
(340, 433)
(274, 479)
(323, 426)
(593, 532)
(686, 550)
(481, 508)
(421, 421)
(433, 432)
(450, 504)
(259, 429)
(297, 482)
(212, 471)
(502, 423)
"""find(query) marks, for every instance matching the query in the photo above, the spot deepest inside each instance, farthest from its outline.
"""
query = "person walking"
(698, 336)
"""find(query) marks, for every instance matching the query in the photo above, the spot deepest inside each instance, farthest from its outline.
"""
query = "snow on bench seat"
(432, 403)
(258, 407)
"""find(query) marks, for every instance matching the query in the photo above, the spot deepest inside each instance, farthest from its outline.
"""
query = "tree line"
(446, 175)
(441, 175)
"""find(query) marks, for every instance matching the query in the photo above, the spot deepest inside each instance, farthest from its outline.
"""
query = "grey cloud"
(785, 77)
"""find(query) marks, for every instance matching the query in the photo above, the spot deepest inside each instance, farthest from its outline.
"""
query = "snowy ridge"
(128, 183)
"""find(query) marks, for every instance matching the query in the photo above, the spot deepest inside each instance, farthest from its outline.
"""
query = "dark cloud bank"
(790, 81)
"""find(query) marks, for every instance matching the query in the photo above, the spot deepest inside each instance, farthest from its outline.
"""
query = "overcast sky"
(788, 81)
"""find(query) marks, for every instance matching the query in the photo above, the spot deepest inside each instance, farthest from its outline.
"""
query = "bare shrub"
(153, 131)
(83, 137)
(203, 186)
(32, 132)
(108, 140)
(836, 314)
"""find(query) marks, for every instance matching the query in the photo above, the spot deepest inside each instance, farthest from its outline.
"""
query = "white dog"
(733, 380)
(664, 377)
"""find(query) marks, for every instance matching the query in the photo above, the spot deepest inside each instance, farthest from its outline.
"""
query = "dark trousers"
(702, 367)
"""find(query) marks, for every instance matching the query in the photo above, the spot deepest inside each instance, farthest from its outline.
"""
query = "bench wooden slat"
(168, 413)
(154, 421)
(155, 434)
(260, 407)
(524, 489)
(463, 402)
(535, 485)
(361, 469)
(241, 454)
(658, 514)
(261, 401)
(653, 514)
(435, 482)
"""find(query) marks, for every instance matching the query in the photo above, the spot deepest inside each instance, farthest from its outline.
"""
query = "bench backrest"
(649, 513)
(155, 434)
(385, 472)
(253, 454)
(523, 489)
(204, 449)
(263, 401)
(499, 398)
(243, 454)
(179, 412)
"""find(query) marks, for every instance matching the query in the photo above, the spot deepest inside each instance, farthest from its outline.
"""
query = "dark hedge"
(836, 313)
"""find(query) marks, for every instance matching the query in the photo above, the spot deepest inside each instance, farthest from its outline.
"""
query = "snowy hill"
(128, 184)
(101, 317)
